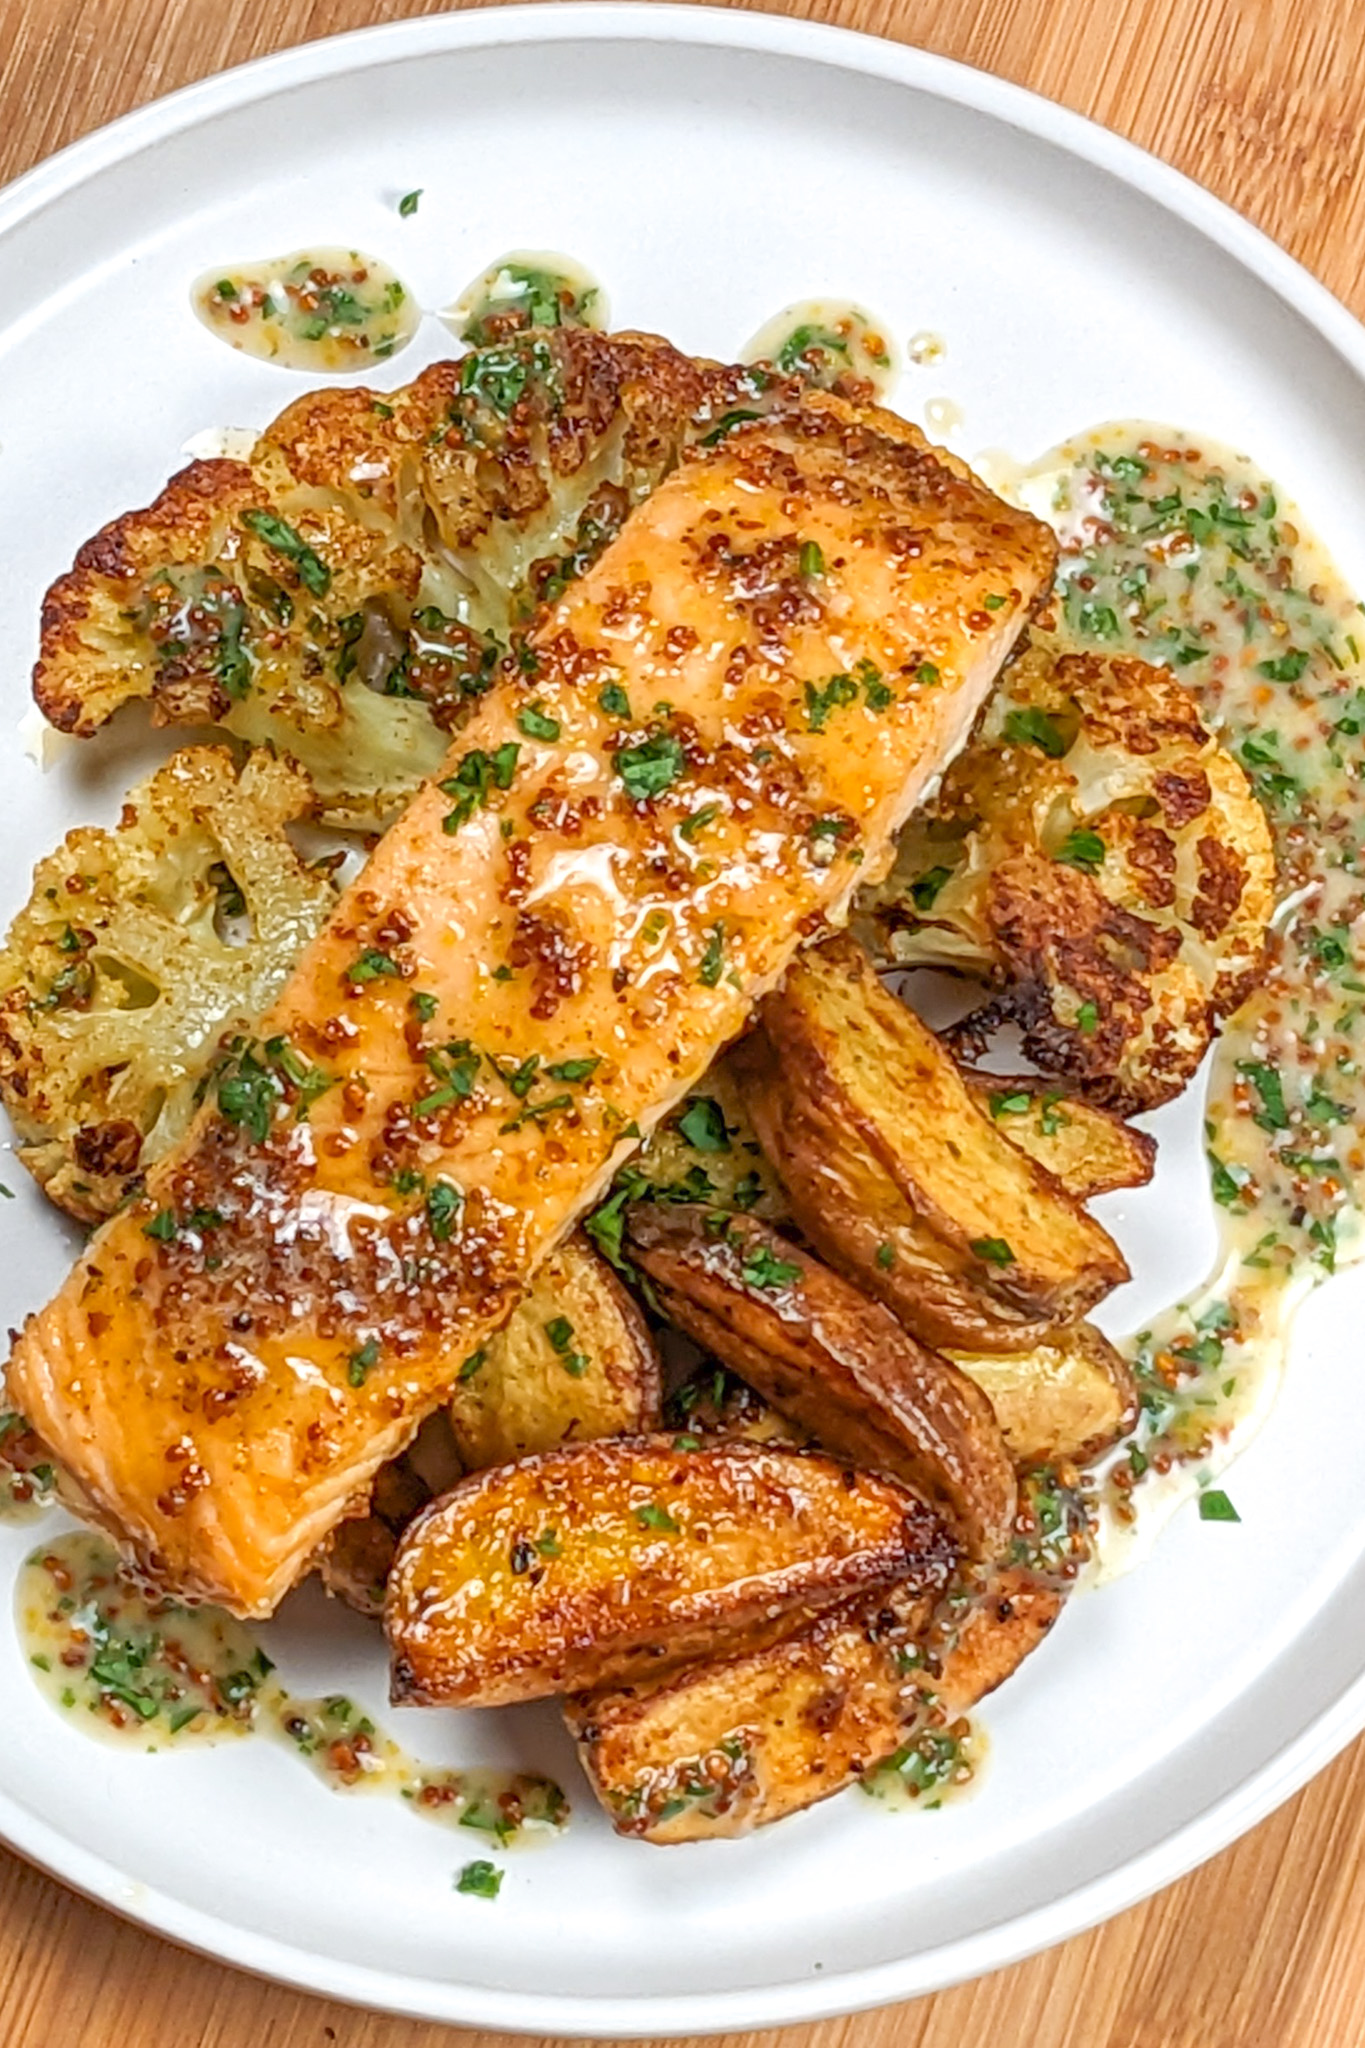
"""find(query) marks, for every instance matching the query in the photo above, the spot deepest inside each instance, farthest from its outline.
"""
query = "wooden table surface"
(1264, 1947)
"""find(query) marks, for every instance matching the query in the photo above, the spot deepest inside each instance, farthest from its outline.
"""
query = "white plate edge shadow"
(990, 1948)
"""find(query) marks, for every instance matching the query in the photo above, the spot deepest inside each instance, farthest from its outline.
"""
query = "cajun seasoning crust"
(387, 1165)
(600, 1564)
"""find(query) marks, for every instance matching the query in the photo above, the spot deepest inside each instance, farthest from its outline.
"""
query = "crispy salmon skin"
(705, 746)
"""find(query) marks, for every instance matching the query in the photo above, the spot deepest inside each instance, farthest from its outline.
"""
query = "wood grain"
(1263, 101)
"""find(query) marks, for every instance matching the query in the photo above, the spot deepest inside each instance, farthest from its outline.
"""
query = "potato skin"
(602, 1562)
(725, 1747)
(838, 1364)
(1068, 1398)
(860, 1099)
(573, 1362)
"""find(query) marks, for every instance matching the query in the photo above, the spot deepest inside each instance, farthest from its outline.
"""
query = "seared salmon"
(707, 746)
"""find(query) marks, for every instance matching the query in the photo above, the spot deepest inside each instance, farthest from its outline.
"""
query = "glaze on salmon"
(707, 748)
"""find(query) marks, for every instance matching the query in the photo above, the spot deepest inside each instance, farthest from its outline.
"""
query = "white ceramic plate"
(709, 167)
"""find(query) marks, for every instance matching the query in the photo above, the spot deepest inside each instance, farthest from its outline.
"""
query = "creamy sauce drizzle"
(1181, 552)
(27, 1479)
(315, 309)
(526, 288)
(150, 1674)
(824, 340)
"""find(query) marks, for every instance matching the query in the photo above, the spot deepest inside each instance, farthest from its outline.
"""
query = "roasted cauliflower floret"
(1100, 858)
(348, 592)
(138, 950)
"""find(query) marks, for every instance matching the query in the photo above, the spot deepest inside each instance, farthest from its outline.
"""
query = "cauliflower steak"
(139, 950)
(1098, 855)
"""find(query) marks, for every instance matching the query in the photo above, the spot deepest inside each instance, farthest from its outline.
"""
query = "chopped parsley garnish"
(362, 1360)
(480, 1879)
(162, 1227)
(612, 699)
(455, 1067)
(1033, 728)
(925, 892)
(1016, 1104)
(373, 966)
(651, 1516)
(247, 1094)
(763, 1268)
(812, 558)
(805, 344)
(650, 768)
(993, 1250)
(424, 1004)
(1082, 849)
(474, 781)
(821, 700)
(443, 1204)
(726, 424)
(713, 959)
(314, 574)
(698, 821)
(573, 1070)
(927, 674)
(472, 1364)
(535, 722)
(1088, 1019)
(1214, 1506)
(703, 1125)
(1272, 1115)
(559, 1332)
(1285, 668)
(410, 202)
(886, 1256)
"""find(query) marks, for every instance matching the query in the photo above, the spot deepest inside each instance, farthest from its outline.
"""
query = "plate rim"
(1224, 1819)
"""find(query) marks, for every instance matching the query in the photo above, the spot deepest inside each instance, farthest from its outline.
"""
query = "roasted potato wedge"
(573, 1362)
(712, 1404)
(707, 1151)
(1070, 1397)
(834, 1361)
(1091, 1151)
(356, 1562)
(603, 1562)
(734, 1744)
(896, 1175)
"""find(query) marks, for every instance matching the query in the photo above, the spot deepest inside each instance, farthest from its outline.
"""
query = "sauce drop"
(526, 288)
(318, 310)
(824, 340)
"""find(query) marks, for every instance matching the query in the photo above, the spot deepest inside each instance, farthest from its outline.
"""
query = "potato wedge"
(355, 1565)
(603, 1562)
(1070, 1397)
(707, 1151)
(573, 1362)
(897, 1176)
(742, 1741)
(713, 1404)
(838, 1364)
(1091, 1151)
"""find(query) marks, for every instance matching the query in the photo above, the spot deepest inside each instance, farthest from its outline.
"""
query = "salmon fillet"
(709, 745)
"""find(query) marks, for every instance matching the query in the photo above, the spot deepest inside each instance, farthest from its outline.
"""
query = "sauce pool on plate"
(1183, 552)
(320, 310)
